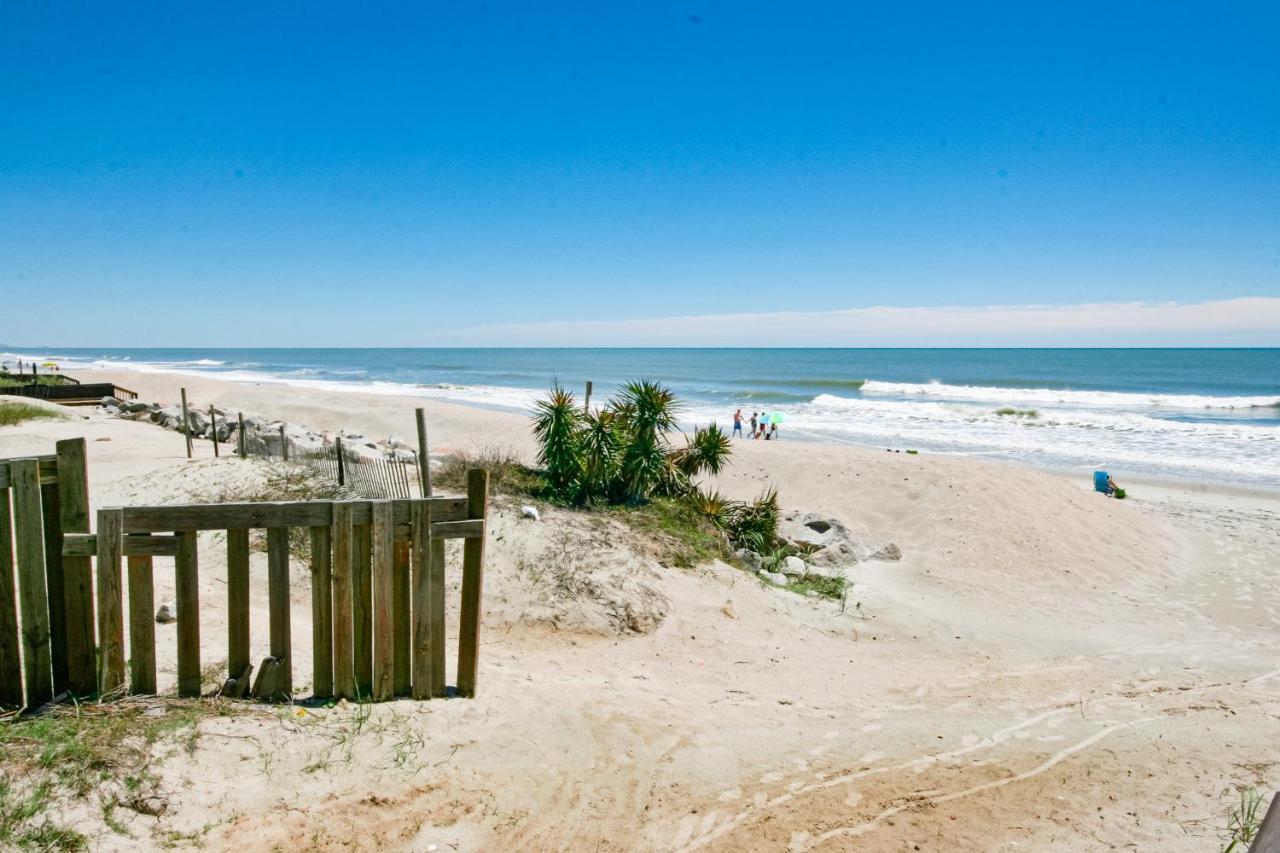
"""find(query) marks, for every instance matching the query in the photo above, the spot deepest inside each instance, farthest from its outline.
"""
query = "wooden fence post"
(142, 626)
(186, 422)
(401, 621)
(238, 664)
(284, 445)
(383, 533)
(213, 429)
(344, 680)
(10, 660)
(111, 677)
(51, 515)
(586, 406)
(77, 577)
(420, 527)
(321, 611)
(472, 580)
(362, 609)
(187, 584)
(278, 605)
(342, 471)
(32, 595)
(424, 459)
(240, 442)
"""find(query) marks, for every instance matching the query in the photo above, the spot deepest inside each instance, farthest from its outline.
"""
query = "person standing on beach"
(737, 424)
(753, 424)
(764, 425)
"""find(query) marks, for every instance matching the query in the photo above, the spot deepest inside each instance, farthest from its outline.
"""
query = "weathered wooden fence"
(47, 629)
(377, 589)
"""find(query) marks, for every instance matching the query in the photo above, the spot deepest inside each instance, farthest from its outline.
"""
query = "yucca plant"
(556, 423)
(706, 451)
(602, 439)
(756, 522)
(716, 507)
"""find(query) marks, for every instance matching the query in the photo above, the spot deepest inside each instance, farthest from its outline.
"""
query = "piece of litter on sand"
(530, 512)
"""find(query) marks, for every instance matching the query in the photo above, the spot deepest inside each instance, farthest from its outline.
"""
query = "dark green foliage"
(621, 454)
(556, 424)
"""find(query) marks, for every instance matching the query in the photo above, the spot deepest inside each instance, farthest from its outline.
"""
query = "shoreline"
(389, 392)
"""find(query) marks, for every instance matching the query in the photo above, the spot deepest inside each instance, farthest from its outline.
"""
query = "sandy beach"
(1044, 668)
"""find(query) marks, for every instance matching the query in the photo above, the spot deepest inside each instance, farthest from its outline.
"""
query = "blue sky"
(323, 175)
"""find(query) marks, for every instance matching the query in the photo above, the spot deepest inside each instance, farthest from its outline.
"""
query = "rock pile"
(820, 546)
(262, 434)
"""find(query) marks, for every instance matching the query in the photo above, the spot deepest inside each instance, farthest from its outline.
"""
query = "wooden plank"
(51, 520)
(272, 682)
(187, 584)
(1268, 838)
(362, 609)
(436, 590)
(344, 679)
(77, 570)
(135, 545)
(321, 611)
(237, 602)
(420, 555)
(278, 606)
(33, 598)
(186, 423)
(472, 581)
(10, 659)
(213, 429)
(47, 464)
(271, 514)
(142, 627)
(111, 678)
(469, 529)
(383, 591)
(401, 621)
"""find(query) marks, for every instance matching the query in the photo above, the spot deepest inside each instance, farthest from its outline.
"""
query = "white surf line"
(991, 740)
(1046, 765)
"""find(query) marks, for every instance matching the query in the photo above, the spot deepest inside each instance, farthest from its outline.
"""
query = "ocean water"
(1203, 414)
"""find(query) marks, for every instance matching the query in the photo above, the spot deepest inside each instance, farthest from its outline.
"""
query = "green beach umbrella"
(775, 418)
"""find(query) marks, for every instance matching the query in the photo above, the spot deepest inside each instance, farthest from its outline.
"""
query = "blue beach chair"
(1100, 479)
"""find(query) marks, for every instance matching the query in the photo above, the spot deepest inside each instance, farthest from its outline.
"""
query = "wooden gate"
(47, 629)
(377, 589)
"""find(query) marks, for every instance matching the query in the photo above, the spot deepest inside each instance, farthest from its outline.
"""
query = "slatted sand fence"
(377, 589)
(46, 599)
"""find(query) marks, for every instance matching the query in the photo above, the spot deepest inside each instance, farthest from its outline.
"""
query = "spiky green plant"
(715, 506)
(706, 451)
(556, 424)
(650, 413)
(756, 522)
(602, 439)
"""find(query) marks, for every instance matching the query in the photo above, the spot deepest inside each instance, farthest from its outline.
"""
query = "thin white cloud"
(1246, 321)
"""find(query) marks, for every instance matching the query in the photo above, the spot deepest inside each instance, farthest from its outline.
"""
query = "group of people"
(762, 426)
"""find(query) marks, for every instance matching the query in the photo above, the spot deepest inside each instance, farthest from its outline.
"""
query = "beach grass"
(13, 413)
(101, 753)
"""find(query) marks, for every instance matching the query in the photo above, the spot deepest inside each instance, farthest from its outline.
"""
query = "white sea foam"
(1051, 396)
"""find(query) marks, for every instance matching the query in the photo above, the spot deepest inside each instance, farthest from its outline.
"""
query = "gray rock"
(793, 566)
(133, 406)
(889, 553)
(812, 530)
(749, 558)
(403, 455)
(775, 578)
(111, 401)
(165, 614)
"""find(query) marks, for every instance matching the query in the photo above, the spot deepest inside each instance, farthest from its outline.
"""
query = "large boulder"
(775, 578)
(793, 567)
(811, 531)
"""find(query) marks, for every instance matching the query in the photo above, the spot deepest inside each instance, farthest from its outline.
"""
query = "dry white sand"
(1044, 669)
